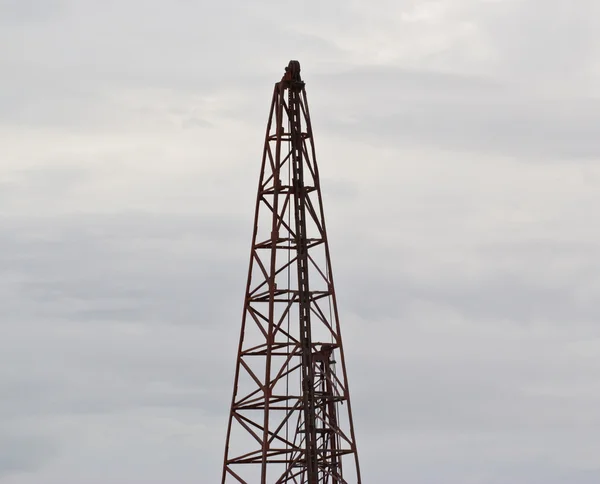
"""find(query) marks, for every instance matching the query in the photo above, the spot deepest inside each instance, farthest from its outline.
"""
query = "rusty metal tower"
(290, 419)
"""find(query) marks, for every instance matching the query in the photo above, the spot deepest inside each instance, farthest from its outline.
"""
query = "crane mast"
(290, 419)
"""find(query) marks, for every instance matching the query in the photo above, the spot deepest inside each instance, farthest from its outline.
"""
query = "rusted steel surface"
(290, 419)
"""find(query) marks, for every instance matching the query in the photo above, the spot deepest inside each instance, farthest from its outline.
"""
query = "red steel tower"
(290, 419)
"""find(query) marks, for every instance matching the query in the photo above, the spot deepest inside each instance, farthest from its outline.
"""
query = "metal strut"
(293, 82)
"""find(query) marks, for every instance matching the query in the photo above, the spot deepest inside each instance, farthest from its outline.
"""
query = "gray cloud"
(14, 12)
(514, 282)
(97, 267)
(404, 108)
(458, 147)
(527, 38)
(20, 453)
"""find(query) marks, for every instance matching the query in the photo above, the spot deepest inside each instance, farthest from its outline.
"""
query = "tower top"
(292, 72)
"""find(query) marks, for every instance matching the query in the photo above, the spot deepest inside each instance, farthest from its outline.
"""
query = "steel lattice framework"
(290, 419)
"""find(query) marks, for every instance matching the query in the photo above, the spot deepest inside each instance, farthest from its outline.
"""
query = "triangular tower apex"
(290, 420)
(292, 72)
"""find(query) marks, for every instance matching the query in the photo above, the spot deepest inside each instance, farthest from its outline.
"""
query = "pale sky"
(459, 148)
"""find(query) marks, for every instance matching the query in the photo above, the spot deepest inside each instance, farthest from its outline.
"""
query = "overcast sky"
(459, 144)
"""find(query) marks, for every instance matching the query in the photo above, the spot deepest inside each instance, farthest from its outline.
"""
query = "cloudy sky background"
(459, 145)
